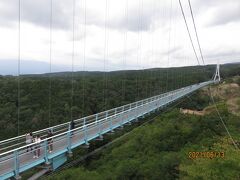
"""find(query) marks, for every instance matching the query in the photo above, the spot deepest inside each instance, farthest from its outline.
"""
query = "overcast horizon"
(138, 34)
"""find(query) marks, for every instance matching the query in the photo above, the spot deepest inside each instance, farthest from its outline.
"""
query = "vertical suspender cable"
(73, 53)
(137, 58)
(50, 66)
(169, 44)
(174, 77)
(140, 53)
(19, 65)
(125, 53)
(152, 78)
(84, 54)
(107, 60)
(105, 53)
(144, 78)
(139, 46)
(161, 70)
(183, 67)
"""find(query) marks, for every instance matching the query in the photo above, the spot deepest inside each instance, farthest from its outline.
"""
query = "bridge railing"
(18, 159)
(102, 117)
(58, 137)
(19, 141)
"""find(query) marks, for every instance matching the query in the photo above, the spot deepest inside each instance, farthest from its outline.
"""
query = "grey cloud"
(144, 21)
(219, 54)
(172, 50)
(134, 21)
(36, 12)
(225, 16)
(224, 11)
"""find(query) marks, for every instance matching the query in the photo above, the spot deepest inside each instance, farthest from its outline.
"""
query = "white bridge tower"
(217, 77)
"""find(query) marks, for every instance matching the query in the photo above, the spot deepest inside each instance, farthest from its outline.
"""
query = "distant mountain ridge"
(10, 67)
(40, 68)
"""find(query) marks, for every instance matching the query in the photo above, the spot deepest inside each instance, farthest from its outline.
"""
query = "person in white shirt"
(29, 140)
(37, 152)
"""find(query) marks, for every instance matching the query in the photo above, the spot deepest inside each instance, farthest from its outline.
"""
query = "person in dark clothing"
(50, 141)
(72, 126)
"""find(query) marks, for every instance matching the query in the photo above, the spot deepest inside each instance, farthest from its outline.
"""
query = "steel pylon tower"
(217, 77)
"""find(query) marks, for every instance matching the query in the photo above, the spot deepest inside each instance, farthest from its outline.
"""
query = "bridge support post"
(122, 116)
(98, 124)
(142, 112)
(100, 137)
(106, 117)
(149, 106)
(156, 107)
(115, 112)
(16, 166)
(69, 141)
(111, 126)
(99, 127)
(45, 145)
(96, 118)
(85, 133)
(136, 109)
(130, 111)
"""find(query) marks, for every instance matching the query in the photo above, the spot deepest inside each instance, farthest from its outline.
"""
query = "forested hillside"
(165, 148)
(92, 92)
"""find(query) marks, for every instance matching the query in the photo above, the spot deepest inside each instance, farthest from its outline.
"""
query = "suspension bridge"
(14, 157)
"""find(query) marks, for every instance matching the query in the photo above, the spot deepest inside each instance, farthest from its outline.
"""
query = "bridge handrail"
(71, 130)
(77, 120)
(94, 115)
(81, 127)
(97, 126)
(86, 125)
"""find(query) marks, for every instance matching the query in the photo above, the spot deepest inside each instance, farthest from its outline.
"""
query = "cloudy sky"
(114, 34)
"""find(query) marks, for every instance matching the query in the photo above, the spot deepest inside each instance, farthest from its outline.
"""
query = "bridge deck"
(14, 159)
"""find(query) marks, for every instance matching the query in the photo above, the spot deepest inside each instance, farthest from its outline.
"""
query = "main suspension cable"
(195, 29)
(196, 34)
(221, 119)
(189, 34)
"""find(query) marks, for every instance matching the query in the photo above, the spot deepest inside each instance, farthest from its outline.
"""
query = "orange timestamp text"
(205, 154)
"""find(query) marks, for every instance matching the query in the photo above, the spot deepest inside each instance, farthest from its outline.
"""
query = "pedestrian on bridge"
(50, 141)
(37, 151)
(29, 140)
(72, 126)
